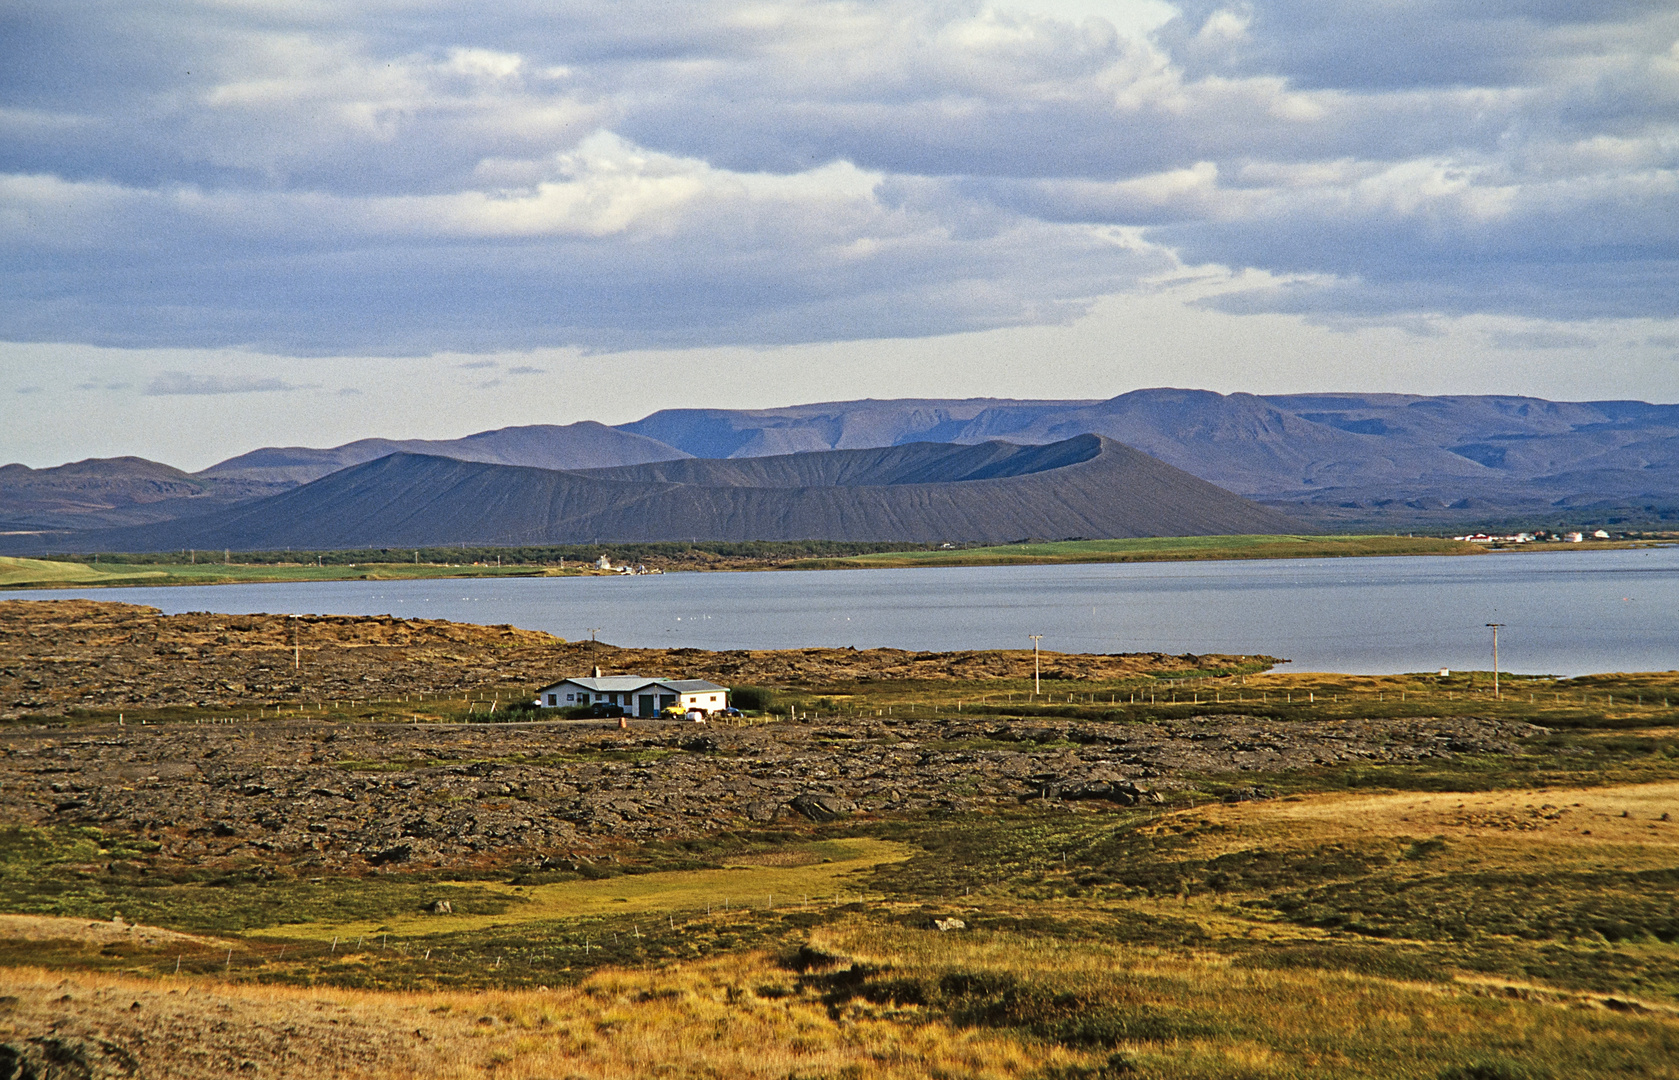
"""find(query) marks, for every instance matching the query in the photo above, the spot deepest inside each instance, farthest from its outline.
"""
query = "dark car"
(600, 710)
(731, 711)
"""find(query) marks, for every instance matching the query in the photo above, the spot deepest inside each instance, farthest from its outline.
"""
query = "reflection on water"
(1565, 613)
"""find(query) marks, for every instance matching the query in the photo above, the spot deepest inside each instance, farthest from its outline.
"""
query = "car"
(603, 710)
(730, 711)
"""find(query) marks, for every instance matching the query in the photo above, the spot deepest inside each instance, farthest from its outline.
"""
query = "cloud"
(406, 179)
(1542, 339)
(29, 390)
(171, 383)
(526, 369)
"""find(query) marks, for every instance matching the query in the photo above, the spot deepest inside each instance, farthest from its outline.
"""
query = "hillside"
(929, 492)
(1365, 460)
(584, 445)
(101, 492)
(1359, 462)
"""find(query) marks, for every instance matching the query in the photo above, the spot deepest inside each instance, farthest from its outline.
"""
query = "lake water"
(1565, 613)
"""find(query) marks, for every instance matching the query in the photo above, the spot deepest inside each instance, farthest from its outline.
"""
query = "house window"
(553, 699)
(571, 697)
(713, 697)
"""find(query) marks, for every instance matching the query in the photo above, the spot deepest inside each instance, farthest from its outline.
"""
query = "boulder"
(820, 807)
(394, 854)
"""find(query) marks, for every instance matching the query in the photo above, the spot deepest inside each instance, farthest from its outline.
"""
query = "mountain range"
(1335, 461)
(1086, 486)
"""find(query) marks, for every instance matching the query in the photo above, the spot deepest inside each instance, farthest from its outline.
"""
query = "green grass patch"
(825, 870)
(1153, 549)
(47, 574)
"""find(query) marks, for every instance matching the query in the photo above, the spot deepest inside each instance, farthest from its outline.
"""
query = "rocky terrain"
(58, 655)
(354, 796)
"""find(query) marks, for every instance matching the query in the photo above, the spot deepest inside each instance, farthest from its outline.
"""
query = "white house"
(640, 697)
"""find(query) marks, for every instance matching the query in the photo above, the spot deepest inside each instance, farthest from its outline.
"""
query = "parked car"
(673, 712)
(602, 710)
(730, 711)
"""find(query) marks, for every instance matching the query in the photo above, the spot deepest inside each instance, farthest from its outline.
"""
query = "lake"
(1565, 613)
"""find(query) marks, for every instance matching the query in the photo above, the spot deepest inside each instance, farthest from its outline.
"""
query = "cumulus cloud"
(401, 178)
(170, 383)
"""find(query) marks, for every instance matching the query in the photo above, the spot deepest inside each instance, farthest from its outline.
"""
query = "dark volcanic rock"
(388, 796)
(819, 807)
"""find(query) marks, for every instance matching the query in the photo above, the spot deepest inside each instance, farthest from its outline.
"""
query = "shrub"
(752, 698)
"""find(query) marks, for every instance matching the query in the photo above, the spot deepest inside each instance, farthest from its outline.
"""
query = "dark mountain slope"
(1086, 486)
(583, 445)
(104, 492)
(909, 463)
(1364, 460)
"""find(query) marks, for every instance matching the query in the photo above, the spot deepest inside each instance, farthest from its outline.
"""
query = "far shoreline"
(85, 572)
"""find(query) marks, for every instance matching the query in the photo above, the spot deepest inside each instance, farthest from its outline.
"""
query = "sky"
(234, 223)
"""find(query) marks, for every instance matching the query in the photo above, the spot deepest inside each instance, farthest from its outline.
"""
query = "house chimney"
(597, 673)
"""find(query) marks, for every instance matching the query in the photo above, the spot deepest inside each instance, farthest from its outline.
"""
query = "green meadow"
(1154, 549)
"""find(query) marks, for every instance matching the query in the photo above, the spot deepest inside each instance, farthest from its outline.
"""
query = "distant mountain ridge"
(1344, 461)
(1340, 460)
(102, 492)
(1087, 486)
(583, 445)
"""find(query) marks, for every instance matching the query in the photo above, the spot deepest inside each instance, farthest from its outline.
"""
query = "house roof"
(629, 684)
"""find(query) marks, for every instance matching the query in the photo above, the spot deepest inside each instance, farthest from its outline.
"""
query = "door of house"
(646, 706)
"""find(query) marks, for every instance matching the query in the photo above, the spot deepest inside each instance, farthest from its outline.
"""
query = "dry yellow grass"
(1631, 814)
(698, 1020)
(1292, 1023)
(743, 1016)
(56, 928)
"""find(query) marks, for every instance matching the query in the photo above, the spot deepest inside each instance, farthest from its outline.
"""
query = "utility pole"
(296, 646)
(593, 630)
(1495, 626)
(1036, 685)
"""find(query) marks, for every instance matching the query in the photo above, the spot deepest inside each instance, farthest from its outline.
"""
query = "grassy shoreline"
(1154, 549)
(129, 570)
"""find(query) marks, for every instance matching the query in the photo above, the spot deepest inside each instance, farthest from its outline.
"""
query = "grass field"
(1156, 549)
(1465, 916)
(1524, 933)
(48, 574)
